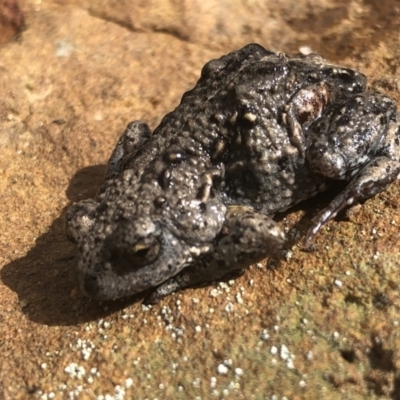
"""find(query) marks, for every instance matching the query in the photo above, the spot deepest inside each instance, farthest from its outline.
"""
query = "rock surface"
(11, 20)
(321, 325)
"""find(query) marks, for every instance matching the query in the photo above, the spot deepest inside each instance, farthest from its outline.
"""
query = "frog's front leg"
(360, 145)
(246, 237)
(136, 134)
(81, 216)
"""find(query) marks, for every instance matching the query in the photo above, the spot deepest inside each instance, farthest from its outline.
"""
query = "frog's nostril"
(90, 285)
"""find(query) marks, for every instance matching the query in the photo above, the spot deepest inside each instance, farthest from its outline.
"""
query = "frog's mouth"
(129, 264)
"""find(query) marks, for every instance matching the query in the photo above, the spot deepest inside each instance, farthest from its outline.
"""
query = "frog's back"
(211, 129)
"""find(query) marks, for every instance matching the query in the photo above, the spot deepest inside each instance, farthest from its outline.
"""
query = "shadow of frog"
(45, 279)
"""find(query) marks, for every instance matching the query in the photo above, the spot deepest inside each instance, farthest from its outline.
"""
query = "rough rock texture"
(320, 325)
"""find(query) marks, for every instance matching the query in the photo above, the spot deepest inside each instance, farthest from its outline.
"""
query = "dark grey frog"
(192, 202)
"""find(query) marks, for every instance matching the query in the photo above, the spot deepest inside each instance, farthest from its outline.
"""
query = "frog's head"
(125, 257)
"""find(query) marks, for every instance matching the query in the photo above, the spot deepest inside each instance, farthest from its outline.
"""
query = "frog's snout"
(89, 285)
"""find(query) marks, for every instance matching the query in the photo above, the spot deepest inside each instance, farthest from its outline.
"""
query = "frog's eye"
(125, 258)
(146, 251)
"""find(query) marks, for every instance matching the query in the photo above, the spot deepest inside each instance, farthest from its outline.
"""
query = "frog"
(193, 201)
